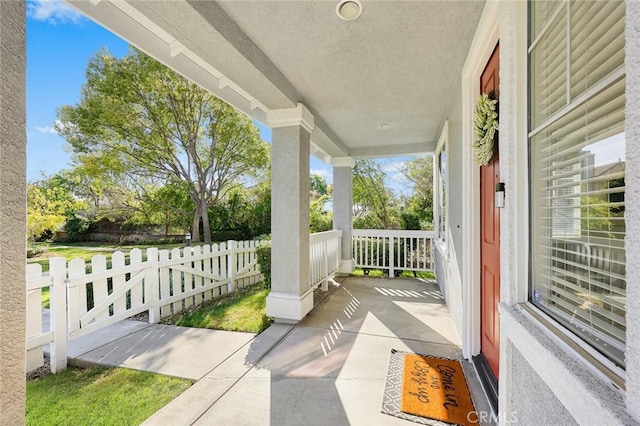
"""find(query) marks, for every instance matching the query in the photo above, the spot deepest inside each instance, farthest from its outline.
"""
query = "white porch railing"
(393, 250)
(161, 282)
(325, 250)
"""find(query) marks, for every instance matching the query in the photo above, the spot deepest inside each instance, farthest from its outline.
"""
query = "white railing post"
(231, 244)
(325, 255)
(58, 313)
(339, 256)
(430, 255)
(153, 285)
(392, 260)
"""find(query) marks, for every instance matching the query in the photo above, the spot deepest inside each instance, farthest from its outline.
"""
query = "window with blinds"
(577, 168)
(442, 189)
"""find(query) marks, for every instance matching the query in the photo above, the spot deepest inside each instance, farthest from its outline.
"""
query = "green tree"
(75, 228)
(104, 185)
(409, 220)
(113, 197)
(232, 216)
(49, 204)
(168, 205)
(419, 205)
(318, 186)
(145, 121)
(375, 205)
(320, 220)
(260, 197)
(245, 213)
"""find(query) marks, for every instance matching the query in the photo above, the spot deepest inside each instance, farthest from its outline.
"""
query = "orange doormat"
(436, 388)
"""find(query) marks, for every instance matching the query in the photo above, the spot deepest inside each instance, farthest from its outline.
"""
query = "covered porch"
(401, 79)
(327, 85)
(330, 368)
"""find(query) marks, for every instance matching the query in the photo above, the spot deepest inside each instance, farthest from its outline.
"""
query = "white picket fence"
(54, 332)
(393, 250)
(87, 297)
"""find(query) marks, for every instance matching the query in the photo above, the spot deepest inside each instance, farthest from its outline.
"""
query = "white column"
(290, 298)
(12, 211)
(343, 207)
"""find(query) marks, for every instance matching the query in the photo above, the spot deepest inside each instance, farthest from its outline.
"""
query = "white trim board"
(484, 42)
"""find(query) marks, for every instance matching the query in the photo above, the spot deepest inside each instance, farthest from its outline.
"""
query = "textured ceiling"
(397, 64)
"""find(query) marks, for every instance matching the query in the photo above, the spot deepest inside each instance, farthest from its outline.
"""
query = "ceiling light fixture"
(349, 9)
(384, 126)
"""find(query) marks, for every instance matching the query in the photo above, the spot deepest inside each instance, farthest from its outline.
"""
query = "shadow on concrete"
(169, 350)
(329, 367)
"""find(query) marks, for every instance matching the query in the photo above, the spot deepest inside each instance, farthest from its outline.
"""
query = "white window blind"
(442, 189)
(577, 168)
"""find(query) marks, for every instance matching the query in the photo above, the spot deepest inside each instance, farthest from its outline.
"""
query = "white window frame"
(599, 363)
(440, 190)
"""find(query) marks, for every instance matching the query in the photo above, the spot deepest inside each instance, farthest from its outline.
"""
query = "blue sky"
(59, 44)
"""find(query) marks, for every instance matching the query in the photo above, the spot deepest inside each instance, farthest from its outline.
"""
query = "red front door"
(490, 235)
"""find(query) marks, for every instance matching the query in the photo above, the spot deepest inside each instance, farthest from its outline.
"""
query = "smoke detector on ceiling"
(349, 10)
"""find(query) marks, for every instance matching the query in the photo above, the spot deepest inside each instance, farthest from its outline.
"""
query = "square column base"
(346, 266)
(289, 308)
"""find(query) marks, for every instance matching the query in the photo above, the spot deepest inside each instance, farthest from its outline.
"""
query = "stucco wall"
(12, 211)
(547, 411)
(632, 212)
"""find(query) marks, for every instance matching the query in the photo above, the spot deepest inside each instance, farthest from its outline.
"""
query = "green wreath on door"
(485, 126)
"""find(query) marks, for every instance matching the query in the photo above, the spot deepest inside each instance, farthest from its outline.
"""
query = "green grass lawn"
(46, 298)
(243, 310)
(86, 251)
(67, 252)
(99, 396)
(404, 274)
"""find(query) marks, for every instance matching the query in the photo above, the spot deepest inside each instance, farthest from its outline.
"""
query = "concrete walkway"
(330, 369)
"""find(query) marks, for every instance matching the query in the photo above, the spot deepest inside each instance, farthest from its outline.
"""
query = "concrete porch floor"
(330, 369)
